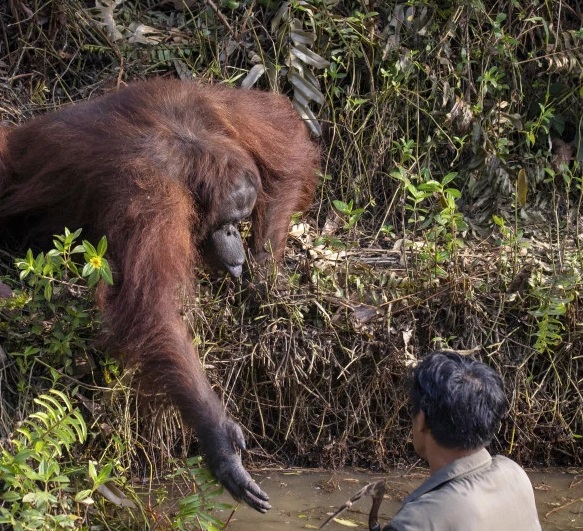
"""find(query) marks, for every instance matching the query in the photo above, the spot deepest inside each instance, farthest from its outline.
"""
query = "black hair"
(463, 399)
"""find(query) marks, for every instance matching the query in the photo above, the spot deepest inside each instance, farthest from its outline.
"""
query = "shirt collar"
(457, 468)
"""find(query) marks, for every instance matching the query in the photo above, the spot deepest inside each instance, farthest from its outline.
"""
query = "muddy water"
(304, 499)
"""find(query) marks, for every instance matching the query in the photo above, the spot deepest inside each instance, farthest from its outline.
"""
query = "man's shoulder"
(506, 462)
(509, 469)
(432, 511)
(421, 513)
(476, 499)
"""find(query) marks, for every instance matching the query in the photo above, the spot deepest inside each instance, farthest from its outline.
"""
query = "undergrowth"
(64, 462)
(449, 215)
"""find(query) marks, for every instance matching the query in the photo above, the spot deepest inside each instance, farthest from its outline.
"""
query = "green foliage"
(551, 293)
(434, 211)
(540, 126)
(47, 482)
(552, 296)
(512, 237)
(347, 209)
(196, 508)
(39, 474)
(57, 265)
(60, 309)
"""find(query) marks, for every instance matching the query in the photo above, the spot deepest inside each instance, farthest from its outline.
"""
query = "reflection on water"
(304, 499)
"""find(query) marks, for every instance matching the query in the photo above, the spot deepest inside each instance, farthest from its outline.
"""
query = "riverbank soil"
(304, 499)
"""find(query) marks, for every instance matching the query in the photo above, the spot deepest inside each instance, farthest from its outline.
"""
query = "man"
(457, 404)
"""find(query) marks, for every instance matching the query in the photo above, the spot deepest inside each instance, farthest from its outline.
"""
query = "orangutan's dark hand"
(220, 447)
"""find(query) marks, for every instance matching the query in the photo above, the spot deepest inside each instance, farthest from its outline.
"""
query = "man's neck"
(438, 456)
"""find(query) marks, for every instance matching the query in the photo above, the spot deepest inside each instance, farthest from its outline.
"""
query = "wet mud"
(303, 499)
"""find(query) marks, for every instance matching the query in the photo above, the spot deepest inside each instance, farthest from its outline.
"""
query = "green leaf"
(430, 186)
(105, 273)
(93, 278)
(39, 261)
(498, 220)
(10, 496)
(87, 269)
(104, 474)
(89, 249)
(39, 498)
(453, 192)
(48, 291)
(102, 246)
(82, 495)
(448, 178)
(461, 225)
(92, 471)
(342, 207)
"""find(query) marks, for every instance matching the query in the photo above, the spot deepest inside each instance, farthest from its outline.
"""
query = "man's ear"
(423, 422)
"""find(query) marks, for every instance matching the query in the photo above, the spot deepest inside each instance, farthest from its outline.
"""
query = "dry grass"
(320, 379)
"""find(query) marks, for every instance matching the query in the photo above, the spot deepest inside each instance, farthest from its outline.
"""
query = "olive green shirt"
(474, 493)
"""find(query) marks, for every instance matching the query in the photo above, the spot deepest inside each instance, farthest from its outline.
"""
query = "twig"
(556, 509)
(224, 21)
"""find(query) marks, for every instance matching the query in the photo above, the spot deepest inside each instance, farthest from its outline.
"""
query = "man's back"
(474, 493)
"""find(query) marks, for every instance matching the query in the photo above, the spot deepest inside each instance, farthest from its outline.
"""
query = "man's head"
(462, 400)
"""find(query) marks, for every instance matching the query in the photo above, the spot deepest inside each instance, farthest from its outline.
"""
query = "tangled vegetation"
(449, 215)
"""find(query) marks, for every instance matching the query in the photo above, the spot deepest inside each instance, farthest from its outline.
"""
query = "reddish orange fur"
(149, 166)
